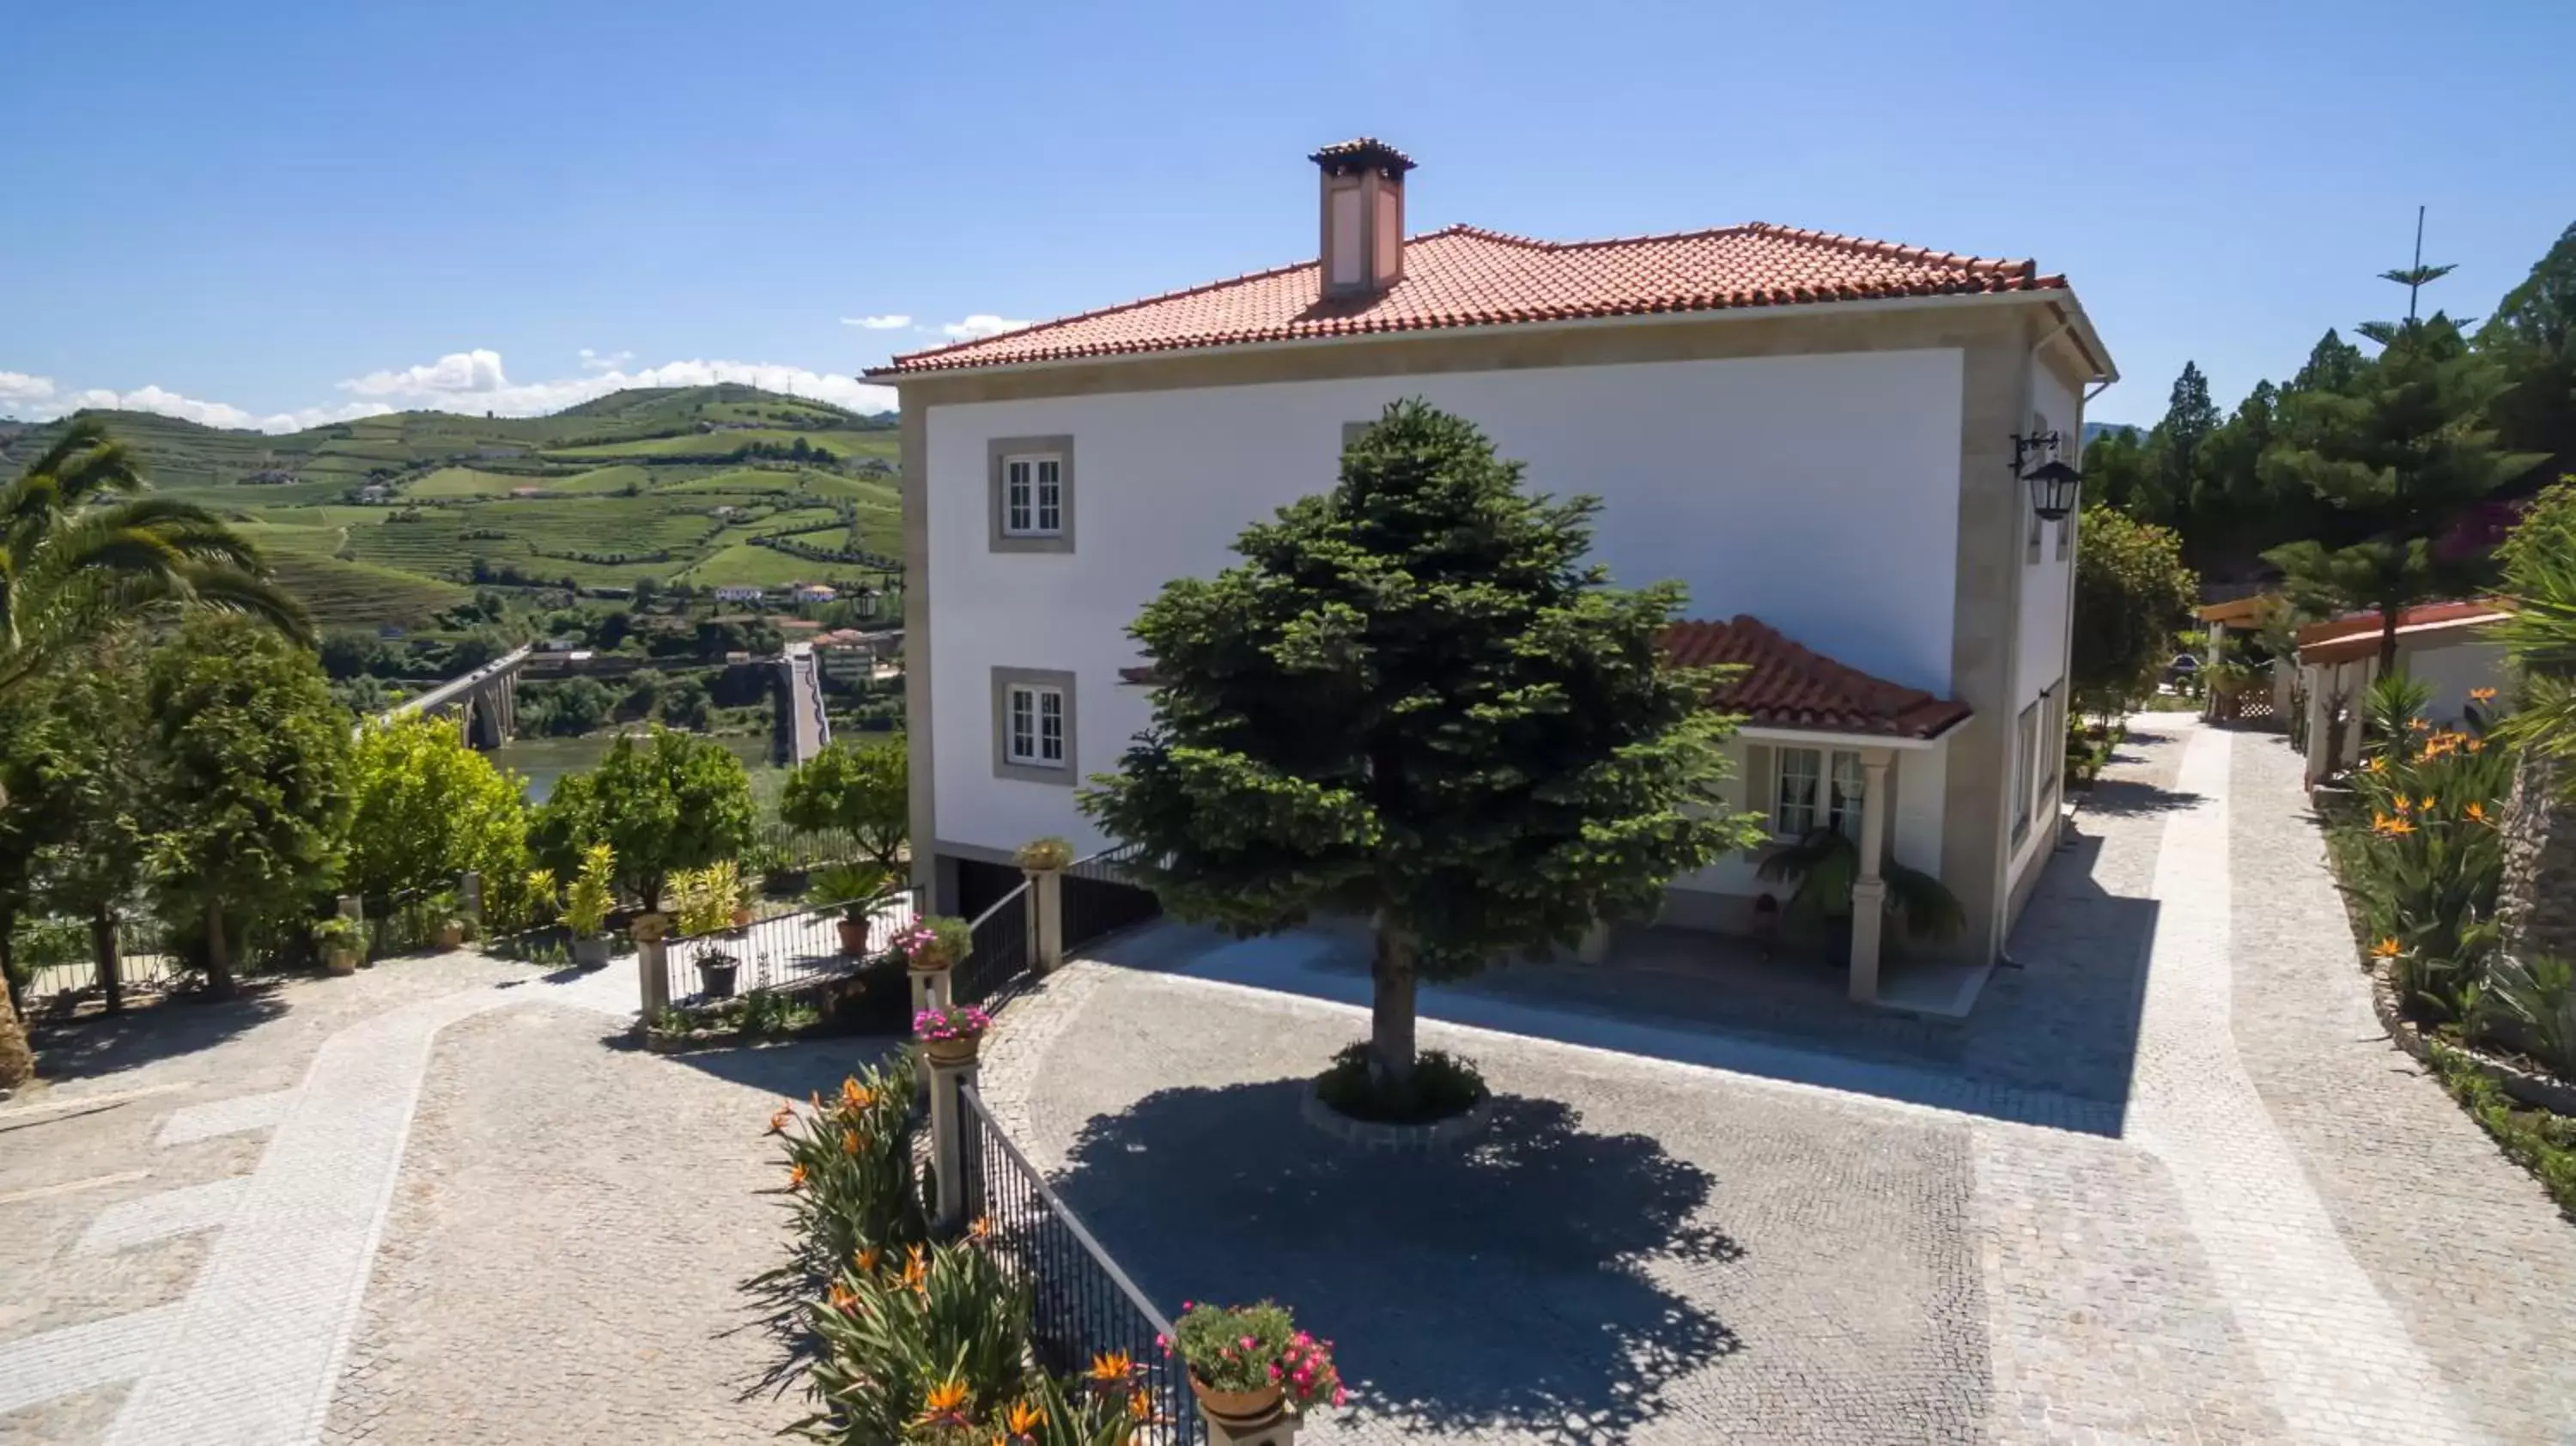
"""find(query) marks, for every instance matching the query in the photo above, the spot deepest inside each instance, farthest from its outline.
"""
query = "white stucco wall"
(2451, 669)
(2041, 650)
(1816, 492)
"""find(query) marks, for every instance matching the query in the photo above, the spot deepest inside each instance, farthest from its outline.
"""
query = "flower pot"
(854, 936)
(1240, 1410)
(340, 961)
(716, 975)
(743, 916)
(951, 1051)
(451, 935)
(932, 963)
(591, 953)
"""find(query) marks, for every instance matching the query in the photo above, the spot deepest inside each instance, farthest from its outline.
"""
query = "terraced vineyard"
(387, 520)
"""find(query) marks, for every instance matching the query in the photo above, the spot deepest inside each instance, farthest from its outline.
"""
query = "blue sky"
(265, 211)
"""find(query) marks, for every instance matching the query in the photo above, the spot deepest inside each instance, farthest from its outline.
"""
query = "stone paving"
(2274, 1232)
(2167, 1184)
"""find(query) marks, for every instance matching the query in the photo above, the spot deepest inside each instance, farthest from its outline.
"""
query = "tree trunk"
(1391, 1008)
(2536, 904)
(2388, 617)
(17, 1062)
(219, 963)
(102, 942)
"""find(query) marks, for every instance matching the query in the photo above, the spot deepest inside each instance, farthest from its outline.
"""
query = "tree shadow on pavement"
(1524, 1283)
(150, 1028)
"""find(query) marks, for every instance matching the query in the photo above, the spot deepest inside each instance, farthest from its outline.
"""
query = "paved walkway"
(2170, 1184)
(554, 1228)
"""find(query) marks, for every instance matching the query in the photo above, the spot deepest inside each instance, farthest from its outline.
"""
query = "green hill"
(387, 519)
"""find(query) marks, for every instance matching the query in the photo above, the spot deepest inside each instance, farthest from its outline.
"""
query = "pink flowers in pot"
(935, 942)
(953, 1021)
(1244, 1348)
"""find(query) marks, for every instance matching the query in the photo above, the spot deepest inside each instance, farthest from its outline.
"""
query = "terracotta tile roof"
(1783, 685)
(1463, 276)
(2356, 635)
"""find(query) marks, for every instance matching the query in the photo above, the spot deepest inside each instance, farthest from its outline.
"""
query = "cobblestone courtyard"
(2166, 1184)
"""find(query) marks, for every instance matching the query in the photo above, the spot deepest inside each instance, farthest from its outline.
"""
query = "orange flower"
(849, 1142)
(796, 1177)
(2482, 695)
(2388, 827)
(2377, 764)
(1111, 1366)
(944, 1398)
(1140, 1407)
(980, 1229)
(2428, 804)
(1025, 1418)
(2476, 811)
(2418, 725)
(843, 1297)
(853, 1096)
(2403, 803)
(916, 1271)
(866, 1261)
(778, 1121)
(2477, 745)
(2384, 949)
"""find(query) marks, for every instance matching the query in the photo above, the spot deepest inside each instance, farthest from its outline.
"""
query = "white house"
(2449, 647)
(1822, 437)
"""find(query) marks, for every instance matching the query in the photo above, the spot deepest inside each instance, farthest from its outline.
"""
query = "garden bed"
(876, 999)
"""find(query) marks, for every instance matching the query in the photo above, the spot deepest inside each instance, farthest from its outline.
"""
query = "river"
(543, 760)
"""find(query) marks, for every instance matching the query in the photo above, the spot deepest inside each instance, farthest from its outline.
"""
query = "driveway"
(438, 1202)
(2170, 1183)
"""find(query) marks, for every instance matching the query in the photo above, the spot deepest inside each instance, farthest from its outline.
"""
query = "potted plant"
(950, 1033)
(855, 886)
(934, 943)
(587, 904)
(1248, 1363)
(340, 940)
(705, 908)
(1823, 867)
(451, 932)
(1043, 855)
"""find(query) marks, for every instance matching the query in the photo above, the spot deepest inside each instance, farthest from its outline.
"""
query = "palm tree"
(82, 554)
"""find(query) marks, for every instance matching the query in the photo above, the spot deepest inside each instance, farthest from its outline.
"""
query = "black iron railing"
(999, 957)
(402, 923)
(59, 959)
(1081, 1304)
(787, 951)
(1101, 898)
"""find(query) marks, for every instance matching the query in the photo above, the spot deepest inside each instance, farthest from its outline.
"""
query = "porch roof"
(1788, 685)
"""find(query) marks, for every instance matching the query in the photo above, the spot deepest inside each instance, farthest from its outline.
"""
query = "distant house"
(815, 592)
(527, 492)
(2449, 647)
(375, 492)
(741, 594)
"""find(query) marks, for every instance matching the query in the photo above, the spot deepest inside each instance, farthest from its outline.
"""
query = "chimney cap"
(1363, 153)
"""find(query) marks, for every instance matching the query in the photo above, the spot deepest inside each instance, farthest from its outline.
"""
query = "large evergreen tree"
(2532, 336)
(1416, 701)
(2395, 456)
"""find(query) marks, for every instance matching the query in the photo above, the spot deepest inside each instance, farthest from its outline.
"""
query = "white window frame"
(1034, 715)
(2052, 739)
(2025, 768)
(1835, 785)
(1033, 495)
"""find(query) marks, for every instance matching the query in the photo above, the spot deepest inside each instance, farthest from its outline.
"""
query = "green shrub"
(2427, 869)
(2541, 1142)
(1442, 1085)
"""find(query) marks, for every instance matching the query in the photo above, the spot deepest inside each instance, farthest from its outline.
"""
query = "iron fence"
(1100, 898)
(405, 922)
(999, 957)
(1081, 1304)
(57, 960)
(785, 951)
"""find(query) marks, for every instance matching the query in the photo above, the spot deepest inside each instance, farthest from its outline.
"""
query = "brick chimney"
(1363, 216)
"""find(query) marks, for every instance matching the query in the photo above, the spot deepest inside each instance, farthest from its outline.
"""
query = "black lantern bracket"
(2053, 484)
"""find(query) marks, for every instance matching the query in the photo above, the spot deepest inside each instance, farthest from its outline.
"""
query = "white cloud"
(979, 325)
(42, 399)
(877, 323)
(592, 361)
(18, 390)
(460, 373)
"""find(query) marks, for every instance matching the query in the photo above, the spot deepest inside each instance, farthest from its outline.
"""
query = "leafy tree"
(567, 709)
(248, 822)
(102, 778)
(2540, 576)
(30, 740)
(2532, 337)
(80, 553)
(2400, 452)
(2333, 365)
(2132, 592)
(2173, 448)
(1415, 700)
(863, 790)
(426, 808)
(676, 801)
(684, 704)
(2115, 471)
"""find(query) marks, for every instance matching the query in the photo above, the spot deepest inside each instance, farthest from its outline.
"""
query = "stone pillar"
(353, 908)
(1046, 918)
(948, 1139)
(469, 899)
(1869, 891)
(652, 970)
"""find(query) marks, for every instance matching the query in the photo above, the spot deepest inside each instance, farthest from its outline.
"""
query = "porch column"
(1869, 891)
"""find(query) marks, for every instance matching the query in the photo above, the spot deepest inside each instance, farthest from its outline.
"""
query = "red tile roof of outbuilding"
(1786, 685)
(1464, 276)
